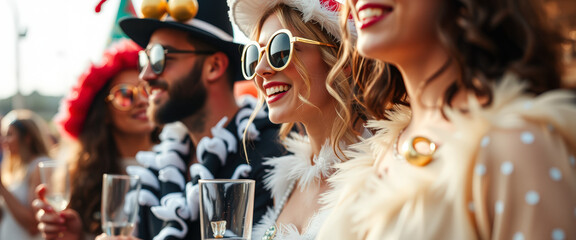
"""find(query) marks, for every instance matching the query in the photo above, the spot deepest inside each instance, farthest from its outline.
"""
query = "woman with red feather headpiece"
(105, 117)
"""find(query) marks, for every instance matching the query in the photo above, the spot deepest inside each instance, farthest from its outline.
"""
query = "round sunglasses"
(279, 51)
(156, 57)
(123, 96)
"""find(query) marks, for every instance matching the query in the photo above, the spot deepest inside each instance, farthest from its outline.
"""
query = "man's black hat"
(211, 25)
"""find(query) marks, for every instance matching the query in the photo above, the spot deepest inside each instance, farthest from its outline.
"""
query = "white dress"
(9, 227)
(282, 178)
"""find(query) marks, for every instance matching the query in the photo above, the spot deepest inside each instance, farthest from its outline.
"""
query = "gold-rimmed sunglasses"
(123, 96)
(279, 51)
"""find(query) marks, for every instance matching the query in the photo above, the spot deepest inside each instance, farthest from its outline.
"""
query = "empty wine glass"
(55, 176)
(119, 204)
(226, 208)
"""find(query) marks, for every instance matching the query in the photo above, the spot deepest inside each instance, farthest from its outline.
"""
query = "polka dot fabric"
(523, 179)
(505, 172)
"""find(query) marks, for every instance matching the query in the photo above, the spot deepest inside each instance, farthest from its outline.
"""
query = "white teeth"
(276, 89)
(369, 13)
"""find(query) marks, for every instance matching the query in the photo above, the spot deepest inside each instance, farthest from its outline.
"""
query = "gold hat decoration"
(180, 10)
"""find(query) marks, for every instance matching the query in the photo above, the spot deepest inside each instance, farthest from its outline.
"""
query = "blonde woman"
(295, 47)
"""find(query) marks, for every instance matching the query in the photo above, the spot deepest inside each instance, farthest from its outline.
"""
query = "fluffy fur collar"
(366, 205)
(297, 166)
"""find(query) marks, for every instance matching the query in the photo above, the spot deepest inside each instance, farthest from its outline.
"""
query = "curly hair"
(374, 76)
(486, 39)
(338, 84)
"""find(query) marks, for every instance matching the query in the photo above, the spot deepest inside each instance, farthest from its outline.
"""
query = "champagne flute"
(119, 204)
(55, 176)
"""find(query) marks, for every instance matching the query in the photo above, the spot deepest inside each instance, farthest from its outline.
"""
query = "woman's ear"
(216, 66)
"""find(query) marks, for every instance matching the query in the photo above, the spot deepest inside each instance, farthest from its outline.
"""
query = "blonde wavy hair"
(338, 83)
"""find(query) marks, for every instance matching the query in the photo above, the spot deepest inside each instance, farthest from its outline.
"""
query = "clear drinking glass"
(55, 176)
(226, 208)
(119, 204)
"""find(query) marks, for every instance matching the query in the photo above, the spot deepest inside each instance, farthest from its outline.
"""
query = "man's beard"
(186, 96)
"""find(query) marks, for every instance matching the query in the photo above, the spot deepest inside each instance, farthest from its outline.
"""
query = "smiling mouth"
(371, 14)
(277, 90)
(141, 115)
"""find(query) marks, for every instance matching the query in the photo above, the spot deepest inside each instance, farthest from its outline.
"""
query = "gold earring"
(414, 157)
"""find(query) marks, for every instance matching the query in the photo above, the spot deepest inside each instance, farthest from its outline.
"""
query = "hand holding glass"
(54, 175)
(226, 208)
(119, 204)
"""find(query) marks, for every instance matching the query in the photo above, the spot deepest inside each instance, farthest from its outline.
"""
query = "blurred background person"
(1, 152)
(25, 144)
(105, 118)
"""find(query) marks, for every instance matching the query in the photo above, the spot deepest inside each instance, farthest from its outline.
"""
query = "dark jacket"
(169, 203)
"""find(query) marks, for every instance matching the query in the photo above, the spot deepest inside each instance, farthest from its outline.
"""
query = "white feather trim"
(219, 131)
(172, 145)
(147, 198)
(290, 232)
(243, 170)
(169, 158)
(172, 174)
(175, 131)
(201, 171)
(212, 145)
(297, 166)
(193, 200)
(173, 208)
(147, 177)
(400, 204)
(146, 159)
(246, 13)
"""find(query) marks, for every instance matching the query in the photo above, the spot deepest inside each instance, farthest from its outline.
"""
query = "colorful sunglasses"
(156, 57)
(279, 52)
(123, 96)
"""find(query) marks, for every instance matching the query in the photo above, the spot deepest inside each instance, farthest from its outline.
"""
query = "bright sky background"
(63, 37)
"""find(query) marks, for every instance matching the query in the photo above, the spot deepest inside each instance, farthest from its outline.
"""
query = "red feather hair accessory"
(75, 106)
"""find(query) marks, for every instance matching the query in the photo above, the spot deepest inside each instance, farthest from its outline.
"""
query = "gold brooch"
(414, 157)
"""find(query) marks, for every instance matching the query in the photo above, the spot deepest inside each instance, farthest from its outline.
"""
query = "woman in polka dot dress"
(485, 149)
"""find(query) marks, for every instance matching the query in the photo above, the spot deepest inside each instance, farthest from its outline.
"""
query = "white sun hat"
(246, 13)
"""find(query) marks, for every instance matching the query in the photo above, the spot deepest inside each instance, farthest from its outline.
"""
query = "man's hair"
(209, 47)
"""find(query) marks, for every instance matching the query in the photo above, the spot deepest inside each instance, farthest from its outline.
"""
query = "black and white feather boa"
(165, 192)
